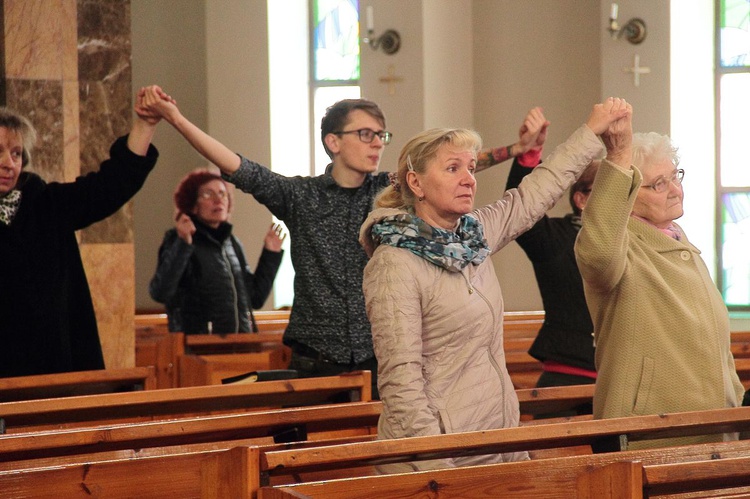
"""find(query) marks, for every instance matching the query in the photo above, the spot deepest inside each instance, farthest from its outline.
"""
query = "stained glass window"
(335, 42)
(336, 39)
(735, 32)
(733, 72)
(735, 223)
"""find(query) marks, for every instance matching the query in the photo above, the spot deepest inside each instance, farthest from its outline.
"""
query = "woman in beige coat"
(661, 326)
(431, 292)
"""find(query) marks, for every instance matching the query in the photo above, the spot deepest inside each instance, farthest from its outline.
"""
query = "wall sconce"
(389, 41)
(634, 30)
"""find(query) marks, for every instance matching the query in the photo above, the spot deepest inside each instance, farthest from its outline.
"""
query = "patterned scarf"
(9, 205)
(450, 250)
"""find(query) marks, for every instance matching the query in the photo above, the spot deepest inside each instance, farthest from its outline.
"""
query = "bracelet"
(509, 150)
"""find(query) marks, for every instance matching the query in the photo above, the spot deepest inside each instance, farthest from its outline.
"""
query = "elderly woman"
(431, 292)
(662, 329)
(47, 321)
(202, 275)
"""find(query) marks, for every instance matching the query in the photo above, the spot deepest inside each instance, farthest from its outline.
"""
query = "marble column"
(66, 66)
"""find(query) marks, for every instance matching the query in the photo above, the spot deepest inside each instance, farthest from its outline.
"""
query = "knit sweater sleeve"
(602, 244)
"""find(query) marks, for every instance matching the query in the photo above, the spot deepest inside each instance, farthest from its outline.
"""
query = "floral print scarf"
(451, 250)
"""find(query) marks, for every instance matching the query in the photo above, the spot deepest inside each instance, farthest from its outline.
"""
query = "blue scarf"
(447, 249)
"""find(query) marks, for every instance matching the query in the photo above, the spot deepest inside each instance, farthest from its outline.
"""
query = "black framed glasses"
(367, 135)
(661, 184)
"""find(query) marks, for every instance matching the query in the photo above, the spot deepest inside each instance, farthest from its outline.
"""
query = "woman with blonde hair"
(431, 293)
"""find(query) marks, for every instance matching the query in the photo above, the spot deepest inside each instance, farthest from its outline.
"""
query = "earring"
(420, 198)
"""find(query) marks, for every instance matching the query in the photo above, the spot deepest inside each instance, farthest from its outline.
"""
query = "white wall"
(508, 56)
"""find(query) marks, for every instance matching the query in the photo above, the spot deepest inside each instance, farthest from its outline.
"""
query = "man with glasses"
(328, 329)
(661, 326)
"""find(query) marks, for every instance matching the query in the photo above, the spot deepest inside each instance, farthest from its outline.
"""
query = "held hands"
(274, 238)
(153, 104)
(533, 132)
(612, 120)
(185, 227)
(605, 114)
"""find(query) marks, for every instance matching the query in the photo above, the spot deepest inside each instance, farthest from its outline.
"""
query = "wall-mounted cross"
(391, 79)
(637, 70)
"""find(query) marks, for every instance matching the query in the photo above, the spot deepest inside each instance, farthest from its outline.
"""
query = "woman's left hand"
(274, 238)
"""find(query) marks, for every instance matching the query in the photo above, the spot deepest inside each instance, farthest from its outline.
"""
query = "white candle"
(613, 13)
(370, 22)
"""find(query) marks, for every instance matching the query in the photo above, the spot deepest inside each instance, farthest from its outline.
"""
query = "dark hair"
(584, 183)
(337, 116)
(19, 124)
(186, 194)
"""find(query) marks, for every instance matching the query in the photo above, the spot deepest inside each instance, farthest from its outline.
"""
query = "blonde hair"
(417, 154)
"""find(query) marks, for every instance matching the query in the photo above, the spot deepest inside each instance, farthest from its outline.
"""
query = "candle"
(370, 22)
(613, 13)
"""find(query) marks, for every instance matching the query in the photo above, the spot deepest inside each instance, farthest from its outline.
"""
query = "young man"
(328, 329)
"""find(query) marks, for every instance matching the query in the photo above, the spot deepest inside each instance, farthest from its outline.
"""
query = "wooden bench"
(210, 358)
(240, 471)
(634, 474)
(32, 415)
(297, 424)
(47, 443)
(267, 320)
(600, 434)
(534, 401)
(77, 383)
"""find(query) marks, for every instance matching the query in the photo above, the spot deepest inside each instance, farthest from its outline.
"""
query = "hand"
(274, 238)
(185, 228)
(606, 113)
(618, 139)
(153, 104)
(533, 131)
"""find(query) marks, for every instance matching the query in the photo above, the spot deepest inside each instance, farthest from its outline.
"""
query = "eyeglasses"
(220, 195)
(367, 135)
(661, 184)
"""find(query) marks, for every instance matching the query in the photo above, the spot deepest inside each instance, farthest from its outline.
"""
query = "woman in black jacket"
(47, 321)
(202, 276)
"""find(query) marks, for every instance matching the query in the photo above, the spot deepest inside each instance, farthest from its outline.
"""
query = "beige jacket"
(438, 335)
(661, 326)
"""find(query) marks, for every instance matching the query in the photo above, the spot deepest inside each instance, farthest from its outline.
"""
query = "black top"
(47, 321)
(210, 281)
(566, 335)
(323, 219)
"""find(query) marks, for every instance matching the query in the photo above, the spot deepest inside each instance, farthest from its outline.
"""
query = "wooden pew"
(297, 424)
(601, 434)
(77, 383)
(161, 350)
(267, 320)
(210, 358)
(534, 401)
(41, 443)
(239, 472)
(634, 474)
(33, 415)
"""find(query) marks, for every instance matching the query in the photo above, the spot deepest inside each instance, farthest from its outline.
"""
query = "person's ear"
(332, 141)
(412, 180)
(24, 158)
(580, 198)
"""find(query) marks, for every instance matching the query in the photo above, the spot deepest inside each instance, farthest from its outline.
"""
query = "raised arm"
(602, 244)
(155, 102)
(531, 136)
(143, 129)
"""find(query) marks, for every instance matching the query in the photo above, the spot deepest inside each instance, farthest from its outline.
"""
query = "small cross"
(637, 70)
(391, 79)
